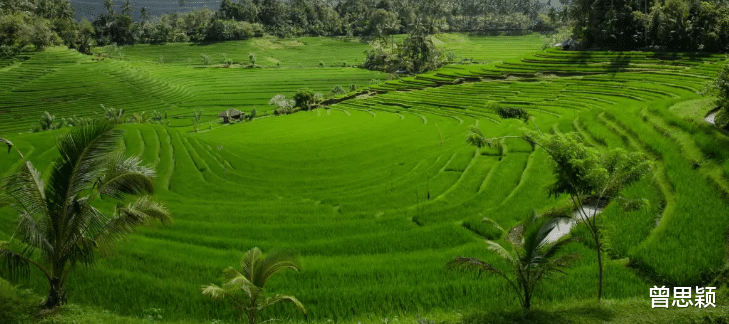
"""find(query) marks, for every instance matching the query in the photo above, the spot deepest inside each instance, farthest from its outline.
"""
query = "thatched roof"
(231, 113)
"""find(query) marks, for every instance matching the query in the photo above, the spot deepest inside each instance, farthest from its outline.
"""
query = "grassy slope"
(17, 304)
(371, 240)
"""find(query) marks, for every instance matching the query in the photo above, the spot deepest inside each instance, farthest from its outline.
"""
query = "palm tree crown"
(532, 255)
(245, 288)
(57, 218)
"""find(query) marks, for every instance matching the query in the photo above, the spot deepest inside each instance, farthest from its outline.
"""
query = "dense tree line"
(676, 25)
(50, 22)
(41, 23)
(672, 25)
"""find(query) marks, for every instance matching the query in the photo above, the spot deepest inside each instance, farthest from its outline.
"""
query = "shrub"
(205, 59)
(283, 106)
(304, 99)
(722, 85)
(338, 90)
(512, 112)
(224, 30)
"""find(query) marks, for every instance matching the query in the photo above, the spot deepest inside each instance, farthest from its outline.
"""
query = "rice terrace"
(368, 161)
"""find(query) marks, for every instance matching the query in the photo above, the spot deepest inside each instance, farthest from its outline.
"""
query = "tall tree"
(590, 177)
(144, 13)
(245, 288)
(109, 7)
(58, 219)
(127, 9)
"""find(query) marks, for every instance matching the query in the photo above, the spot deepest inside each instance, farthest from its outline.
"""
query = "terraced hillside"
(378, 192)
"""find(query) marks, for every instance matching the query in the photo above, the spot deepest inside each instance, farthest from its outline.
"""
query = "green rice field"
(378, 192)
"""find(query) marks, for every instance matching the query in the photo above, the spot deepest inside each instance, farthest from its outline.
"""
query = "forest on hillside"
(672, 25)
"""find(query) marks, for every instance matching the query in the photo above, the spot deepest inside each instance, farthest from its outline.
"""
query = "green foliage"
(338, 90)
(416, 54)
(586, 172)
(16, 305)
(205, 59)
(475, 137)
(46, 122)
(722, 101)
(513, 112)
(89, 167)
(245, 287)
(226, 30)
(675, 25)
(361, 186)
(112, 115)
(283, 106)
(531, 255)
(590, 176)
(304, 99)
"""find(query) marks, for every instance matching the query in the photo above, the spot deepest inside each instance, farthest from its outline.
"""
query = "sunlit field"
(378, 192)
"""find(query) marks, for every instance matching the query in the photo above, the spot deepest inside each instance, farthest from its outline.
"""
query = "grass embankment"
(20, 306)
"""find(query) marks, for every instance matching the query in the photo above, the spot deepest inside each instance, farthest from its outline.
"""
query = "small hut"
(231, 114)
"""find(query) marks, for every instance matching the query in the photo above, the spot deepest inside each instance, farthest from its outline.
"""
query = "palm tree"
(246, 289)
(57, 218)
(532, 255)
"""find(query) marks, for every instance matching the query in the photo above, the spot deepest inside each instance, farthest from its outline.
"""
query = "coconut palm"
(531, 254)
(245, 288)
(57, 217)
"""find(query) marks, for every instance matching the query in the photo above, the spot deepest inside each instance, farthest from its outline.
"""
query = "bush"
(512, 112)
(722, 85)
(304, 99)
(283, 106)
(16, 305)
(338, 90)
(205, 59)
(225, 30)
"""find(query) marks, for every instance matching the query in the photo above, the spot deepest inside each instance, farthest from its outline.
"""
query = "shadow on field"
(578, 314)
(618, 63)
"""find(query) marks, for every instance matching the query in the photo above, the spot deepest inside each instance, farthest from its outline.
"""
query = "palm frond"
(31, 234)
(8, 143)
(125, 176)
(274, 263)
(555, 247)
(493, 223)
(249, 263)
(213, 291)
(238, 282)
(83, 251)
(13, 265)
(84, 222)
(141, 212)
(26, 190)
(472, 264)
(500, 250)
(279, 298)
(82, 151)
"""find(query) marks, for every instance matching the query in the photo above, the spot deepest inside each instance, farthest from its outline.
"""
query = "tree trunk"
(599, 265)
(56, 293)
(527, 300)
